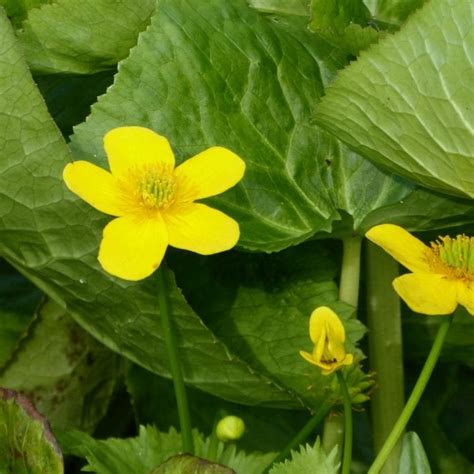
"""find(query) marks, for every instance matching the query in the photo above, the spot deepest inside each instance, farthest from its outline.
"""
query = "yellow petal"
(308, 357)
(324, 317)
(209, 173)
(95, 186)
(466, 296)
(130, 147)
(427, 293)
(132, 248)
(348, 359)
(402, 246)
(201, 229)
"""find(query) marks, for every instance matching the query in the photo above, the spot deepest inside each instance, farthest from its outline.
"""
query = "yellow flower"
(443, 274)
(154, 201)
(328, 335)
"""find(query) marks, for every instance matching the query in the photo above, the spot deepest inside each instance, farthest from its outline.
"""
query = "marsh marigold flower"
(154, 202)
(328, 336)
(443, 274)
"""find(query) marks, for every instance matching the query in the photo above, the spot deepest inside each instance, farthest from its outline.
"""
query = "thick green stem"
(175, 365)
(350, 271)
(349, 293)
(414, 397)
(385, 349)
(347, 458)
(301, 436)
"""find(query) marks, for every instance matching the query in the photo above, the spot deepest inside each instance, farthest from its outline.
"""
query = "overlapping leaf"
(82, 37)
(261, 310)
(405, 103)
(53, 238)
(66, 374)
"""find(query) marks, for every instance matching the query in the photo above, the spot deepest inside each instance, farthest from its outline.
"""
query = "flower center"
(454, 256)
(154, 185)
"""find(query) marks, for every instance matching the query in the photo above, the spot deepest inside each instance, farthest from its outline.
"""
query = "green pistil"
(157, 190)
(457, 253)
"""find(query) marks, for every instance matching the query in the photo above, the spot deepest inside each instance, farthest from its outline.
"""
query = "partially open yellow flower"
(443, 274)
(328, 335)
(154, 201)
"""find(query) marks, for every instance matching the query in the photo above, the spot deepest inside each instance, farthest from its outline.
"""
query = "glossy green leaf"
(243, 91)
(187, 464)
(309, 460)
(371, 197)
(405, 103)
(53, 237)
(261, 310)
(18, 300)
(66, 373)
(27, 445)
(82, 37)
(413, 458)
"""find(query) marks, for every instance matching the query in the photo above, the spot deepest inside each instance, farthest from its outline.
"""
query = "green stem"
(414, 397)
(350, 271)
(349, 293)
(346, 461)
(385, 349)
(300, 437)
(175, 365)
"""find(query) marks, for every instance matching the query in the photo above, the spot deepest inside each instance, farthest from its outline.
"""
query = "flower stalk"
(347, 458)
(385, 349)
(169, 336)
(415, 396)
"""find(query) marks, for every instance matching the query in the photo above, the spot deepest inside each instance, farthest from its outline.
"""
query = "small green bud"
(230, 428)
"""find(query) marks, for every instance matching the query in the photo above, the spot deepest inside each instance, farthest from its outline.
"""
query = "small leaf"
(27, 445)
(413, 458)
(187, 464)
(309, 460)
(82, 37)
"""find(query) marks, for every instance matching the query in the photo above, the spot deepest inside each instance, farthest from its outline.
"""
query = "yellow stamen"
(154, 185)
(453, 257)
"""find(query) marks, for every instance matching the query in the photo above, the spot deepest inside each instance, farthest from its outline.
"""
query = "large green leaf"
(27, 445)
(371, 197)
(83, 37)
(66, 373)
(261, 310)
(393, 12)
(405, 103)
(52, 238)
(250, 84)
(297, 176)
(18, 300)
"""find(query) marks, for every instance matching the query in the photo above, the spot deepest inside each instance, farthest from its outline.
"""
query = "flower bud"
(230, 428)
